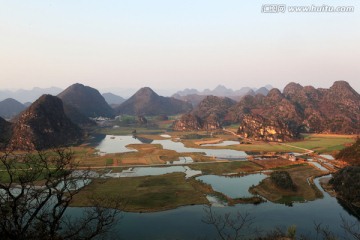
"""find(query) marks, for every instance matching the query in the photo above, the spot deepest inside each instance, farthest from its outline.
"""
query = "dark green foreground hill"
(351, 154)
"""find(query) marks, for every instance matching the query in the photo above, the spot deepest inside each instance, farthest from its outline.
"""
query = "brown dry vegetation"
(273, 163)
(220, 168)
(148, 194)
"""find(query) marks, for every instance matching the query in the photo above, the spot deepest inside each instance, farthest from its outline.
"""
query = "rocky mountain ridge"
(210, 114)
(280, 116)
(44, 125)
(24, 95)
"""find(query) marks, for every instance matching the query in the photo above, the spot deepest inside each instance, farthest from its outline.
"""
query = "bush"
(283, 180)
(351, 154)
(346, 183)
(195, 136)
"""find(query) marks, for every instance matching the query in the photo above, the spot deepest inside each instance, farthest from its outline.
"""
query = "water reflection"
(117, 144)
(218, 153)
(186, 222)
(223, 143)
(153, 171)
(182, 160)
(328, 157)
(233, 186)
(318, 165)
(143, 140)
(215, 202)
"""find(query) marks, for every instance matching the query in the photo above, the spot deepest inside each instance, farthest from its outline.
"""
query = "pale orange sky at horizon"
(175, 45)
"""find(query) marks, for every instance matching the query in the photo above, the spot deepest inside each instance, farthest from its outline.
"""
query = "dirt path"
(307, 151)
(232, 132)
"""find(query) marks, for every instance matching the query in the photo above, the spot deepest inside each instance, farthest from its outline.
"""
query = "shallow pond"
(319, 166)
(153, 171)
(223, 143)
(117, 144)
(218, 153)
(182, 160)
(328, 157)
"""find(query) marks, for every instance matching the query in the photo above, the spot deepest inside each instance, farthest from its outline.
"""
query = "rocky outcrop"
(259, 128)
(187, 122)
(274, 107)
(210, 114)
(333, 110)
(214, 106)
(86, 100)
(44, 125)
(147, 102)
(212, 122)
(297, 109)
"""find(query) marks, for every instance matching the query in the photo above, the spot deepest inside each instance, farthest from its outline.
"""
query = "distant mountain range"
(222, 91)
(24, 96)
(282, 116)
(195, 97)
(113, 99)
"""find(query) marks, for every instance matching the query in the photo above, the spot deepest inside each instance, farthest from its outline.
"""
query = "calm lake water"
(223, 143)
(154, 171)
(232, 186)
(186, 222)
(113, 144)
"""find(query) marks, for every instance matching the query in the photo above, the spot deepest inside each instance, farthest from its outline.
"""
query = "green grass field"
(321, 143)
(129, 130)
(324, 143)
(227, 167)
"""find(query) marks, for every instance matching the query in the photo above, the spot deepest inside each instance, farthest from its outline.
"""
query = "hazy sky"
(175, 44)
